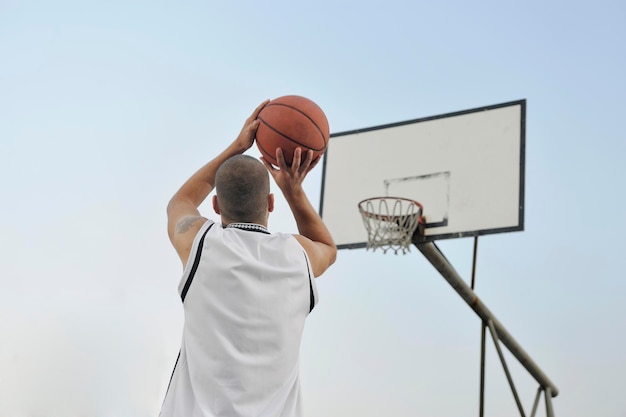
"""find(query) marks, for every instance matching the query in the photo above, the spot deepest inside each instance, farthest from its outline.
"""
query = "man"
(246, 292)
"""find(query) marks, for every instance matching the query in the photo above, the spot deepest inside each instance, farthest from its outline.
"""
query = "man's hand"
(289, 178)
(183, 218)
(314, 236)
(246, 137)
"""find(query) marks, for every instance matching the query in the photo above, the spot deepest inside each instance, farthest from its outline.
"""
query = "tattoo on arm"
(185, 224)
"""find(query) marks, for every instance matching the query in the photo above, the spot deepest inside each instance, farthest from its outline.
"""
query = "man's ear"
(270, 202)
(216, 206)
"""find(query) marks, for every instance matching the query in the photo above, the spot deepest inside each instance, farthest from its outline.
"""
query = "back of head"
(242, 185)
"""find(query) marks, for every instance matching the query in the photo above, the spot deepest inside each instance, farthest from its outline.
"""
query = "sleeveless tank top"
(246, 294)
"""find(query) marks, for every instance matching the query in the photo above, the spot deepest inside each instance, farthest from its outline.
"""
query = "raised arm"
(183, 218)
(314, 236)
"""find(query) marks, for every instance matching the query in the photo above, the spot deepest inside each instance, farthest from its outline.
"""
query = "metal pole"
(481, 409)
(509, 378)
(549, 410)
(536, 403)
(474, 261)
(441, 264)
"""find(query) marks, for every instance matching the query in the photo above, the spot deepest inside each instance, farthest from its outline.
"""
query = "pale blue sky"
(107, 107)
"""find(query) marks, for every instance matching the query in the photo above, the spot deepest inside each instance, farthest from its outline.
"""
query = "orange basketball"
(290, 122)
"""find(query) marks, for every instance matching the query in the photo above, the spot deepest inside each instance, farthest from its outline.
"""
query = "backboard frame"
(468, 233)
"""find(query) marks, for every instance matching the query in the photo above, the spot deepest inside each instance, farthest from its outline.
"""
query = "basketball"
(290, 122)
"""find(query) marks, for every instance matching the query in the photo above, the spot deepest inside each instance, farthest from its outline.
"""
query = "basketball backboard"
(466, 168)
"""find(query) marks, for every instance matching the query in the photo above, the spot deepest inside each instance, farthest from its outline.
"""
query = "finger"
(280, 158)
(297, 159)
(314, 162)
(304, 166)
(258, 109)
(254, 125)
(307, 162)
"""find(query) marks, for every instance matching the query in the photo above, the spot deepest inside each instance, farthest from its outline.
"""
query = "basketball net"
(390, 222)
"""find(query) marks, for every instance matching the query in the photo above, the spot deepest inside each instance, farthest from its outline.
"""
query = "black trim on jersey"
(171, 377)
(251, 227)
(194, 267)
(311, 296)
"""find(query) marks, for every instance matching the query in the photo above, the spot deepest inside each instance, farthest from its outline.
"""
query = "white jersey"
(246, 294)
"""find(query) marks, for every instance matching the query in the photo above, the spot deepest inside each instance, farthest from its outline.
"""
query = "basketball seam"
(291, 139)
(305, 115)
(266, 153)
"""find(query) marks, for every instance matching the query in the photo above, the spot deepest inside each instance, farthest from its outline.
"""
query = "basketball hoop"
(390, 222)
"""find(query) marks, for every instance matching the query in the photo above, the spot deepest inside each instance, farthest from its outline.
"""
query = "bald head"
(242, 186)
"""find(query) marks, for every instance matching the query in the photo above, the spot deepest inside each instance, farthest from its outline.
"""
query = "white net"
(390, 222)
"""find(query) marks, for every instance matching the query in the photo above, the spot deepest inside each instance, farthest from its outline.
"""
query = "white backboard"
(466, 168)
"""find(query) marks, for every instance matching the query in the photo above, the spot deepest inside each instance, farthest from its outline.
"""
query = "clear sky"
(107, 107)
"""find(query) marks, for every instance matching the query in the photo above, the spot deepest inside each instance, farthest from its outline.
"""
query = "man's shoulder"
(191, 225)
(185, 233)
